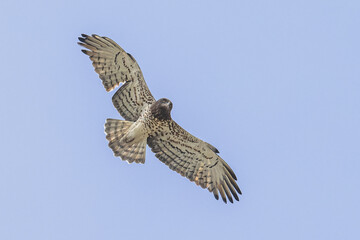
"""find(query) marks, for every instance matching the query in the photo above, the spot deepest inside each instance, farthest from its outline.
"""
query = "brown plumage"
(148, 121)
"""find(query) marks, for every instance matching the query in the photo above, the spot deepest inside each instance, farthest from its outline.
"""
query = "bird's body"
(153, 121)
(148, 121)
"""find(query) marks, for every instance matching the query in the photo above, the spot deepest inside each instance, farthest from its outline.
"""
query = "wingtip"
(237, 189)
(216, 195)
(81, 44)
(85, 52)
(236, 197)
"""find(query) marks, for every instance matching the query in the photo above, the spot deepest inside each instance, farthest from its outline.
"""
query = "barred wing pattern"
(196, 160)
(115, 66)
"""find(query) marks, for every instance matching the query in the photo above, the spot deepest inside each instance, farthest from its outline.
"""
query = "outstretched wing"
(115, 66)
(194, 159)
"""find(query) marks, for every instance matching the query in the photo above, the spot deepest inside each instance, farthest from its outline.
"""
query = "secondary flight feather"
(148, 121)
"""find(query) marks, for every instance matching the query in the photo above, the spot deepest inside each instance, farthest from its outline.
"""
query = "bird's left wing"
(116, 66)
(194, 159)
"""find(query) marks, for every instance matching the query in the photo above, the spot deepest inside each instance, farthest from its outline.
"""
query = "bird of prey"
(148, 121)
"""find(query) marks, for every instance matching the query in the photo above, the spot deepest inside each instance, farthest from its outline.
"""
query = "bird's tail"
(129, 151)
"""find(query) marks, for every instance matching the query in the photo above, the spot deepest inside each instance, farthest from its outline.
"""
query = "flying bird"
(148, 121)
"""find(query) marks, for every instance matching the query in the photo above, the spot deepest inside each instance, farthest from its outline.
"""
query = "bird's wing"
(116, 66)
(194, 159)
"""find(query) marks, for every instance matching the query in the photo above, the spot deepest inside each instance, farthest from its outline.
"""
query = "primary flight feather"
(148, 121)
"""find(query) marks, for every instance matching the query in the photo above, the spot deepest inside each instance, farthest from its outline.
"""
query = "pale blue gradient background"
(274, 85)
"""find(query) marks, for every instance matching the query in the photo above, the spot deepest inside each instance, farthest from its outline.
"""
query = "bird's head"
(161, 109)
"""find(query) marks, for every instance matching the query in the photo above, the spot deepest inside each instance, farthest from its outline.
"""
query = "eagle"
(148, 121)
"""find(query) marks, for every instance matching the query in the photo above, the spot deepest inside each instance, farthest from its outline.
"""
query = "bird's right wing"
(116, 66)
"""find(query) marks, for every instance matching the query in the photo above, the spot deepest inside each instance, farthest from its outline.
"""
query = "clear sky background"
(274, 85)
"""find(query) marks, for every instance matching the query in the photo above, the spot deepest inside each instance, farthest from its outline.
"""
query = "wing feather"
(194, 159)
(116, 66)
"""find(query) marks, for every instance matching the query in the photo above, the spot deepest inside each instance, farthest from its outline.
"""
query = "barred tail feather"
(115, 130)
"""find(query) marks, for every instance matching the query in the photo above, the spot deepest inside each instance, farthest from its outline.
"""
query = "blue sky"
(274, 85)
